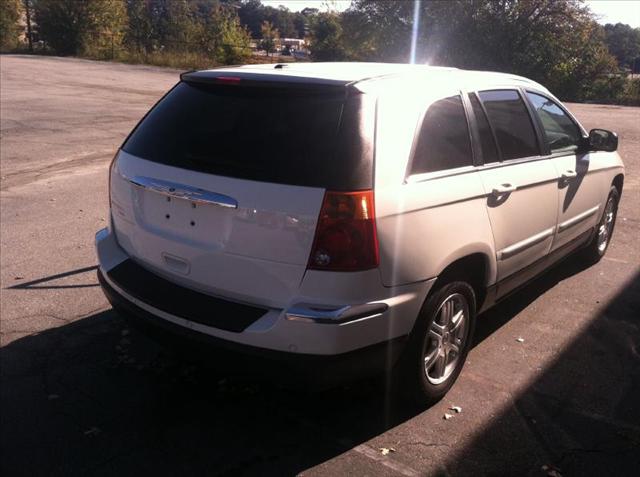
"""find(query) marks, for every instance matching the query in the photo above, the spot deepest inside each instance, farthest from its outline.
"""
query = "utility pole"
(27, 8)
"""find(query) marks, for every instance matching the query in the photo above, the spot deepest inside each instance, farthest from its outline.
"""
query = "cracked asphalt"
(81, 394)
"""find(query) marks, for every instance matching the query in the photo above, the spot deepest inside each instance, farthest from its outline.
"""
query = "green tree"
(270, 37)
(326, 38)
(222, 35)
(624, 43)
(283, 19)
(9, 27)
(140, 34)
(174, 24)
(253, 14)
(556, 42)
(73, 26)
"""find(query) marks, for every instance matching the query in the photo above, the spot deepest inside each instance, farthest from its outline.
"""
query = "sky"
(616, 11)
(608, 11)
(297, 5)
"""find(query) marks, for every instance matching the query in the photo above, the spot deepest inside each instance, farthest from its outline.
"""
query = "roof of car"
(341, 73)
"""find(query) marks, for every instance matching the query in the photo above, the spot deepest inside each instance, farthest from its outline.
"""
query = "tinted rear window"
(444, 141)
(299, 137)
(511, 122)
(489, 150)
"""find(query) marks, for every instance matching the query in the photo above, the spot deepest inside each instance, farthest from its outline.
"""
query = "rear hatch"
(219, 187)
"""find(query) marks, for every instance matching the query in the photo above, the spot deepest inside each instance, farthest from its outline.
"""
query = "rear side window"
(489, 150)
(309, 137)
(560, 131)
(443, 142)
(511, 122)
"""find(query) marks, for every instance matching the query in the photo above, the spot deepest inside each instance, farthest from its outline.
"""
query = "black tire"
(596, 249)
(413, 380)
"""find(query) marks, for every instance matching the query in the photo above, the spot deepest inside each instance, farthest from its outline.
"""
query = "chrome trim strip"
(440, 204)
(577, 219)
(181, 191)
(318, 314)
(518, 247)
(429, 176)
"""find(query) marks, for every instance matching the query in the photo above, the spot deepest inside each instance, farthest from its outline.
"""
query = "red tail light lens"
(346, 237)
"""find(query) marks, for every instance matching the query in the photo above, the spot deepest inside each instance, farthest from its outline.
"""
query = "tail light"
(345, 237)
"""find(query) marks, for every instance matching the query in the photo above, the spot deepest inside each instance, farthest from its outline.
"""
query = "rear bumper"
(314, 371)
(298, 329)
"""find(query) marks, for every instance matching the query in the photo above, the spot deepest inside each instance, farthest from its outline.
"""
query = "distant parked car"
(349, 218)
(300, 55)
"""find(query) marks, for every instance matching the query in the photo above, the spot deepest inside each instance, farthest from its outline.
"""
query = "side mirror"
(603, 140)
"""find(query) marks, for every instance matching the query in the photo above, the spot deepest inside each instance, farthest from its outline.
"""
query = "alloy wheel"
(446, 338)
(606, 226)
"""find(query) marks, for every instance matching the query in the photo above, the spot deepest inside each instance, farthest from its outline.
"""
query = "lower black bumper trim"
(183, 302)
(317, 371)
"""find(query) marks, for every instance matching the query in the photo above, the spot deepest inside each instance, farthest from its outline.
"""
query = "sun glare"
(414, 30)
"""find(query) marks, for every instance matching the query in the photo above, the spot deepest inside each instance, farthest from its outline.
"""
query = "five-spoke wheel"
(439, 343)
(446, 337)
(606, 225)
(604, 229)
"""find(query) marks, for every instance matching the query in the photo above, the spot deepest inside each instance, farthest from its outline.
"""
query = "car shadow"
(581, 415)
(513, 304)
(94, 397)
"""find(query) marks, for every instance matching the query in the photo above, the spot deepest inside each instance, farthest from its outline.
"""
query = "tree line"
(556, 42)
(221, 29)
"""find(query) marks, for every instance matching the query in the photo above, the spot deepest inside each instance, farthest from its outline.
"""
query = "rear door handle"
(568, 174)
(503, 189)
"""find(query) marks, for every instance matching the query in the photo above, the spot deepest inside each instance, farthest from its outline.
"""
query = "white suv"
(355, 216)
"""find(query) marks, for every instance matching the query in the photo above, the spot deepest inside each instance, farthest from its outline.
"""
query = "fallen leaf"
(92, 431)
(447, 416)
(457, 409)
(520, 340)
(551, 471)
(386, 450)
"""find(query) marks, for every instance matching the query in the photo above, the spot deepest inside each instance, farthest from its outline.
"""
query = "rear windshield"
(283, 135)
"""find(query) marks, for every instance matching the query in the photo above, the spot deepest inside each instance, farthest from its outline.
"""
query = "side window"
(560, 131)
(489, 150)
(511, 122)
(443, 142)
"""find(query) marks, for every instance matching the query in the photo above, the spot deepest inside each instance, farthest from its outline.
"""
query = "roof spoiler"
(261, 80)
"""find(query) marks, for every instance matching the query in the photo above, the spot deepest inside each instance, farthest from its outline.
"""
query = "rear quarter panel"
(423, 226)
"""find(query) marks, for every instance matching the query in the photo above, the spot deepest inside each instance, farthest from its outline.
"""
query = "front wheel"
(604, 230)
(439, 343)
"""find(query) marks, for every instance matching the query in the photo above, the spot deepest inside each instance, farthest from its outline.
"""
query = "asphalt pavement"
(552, 383)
